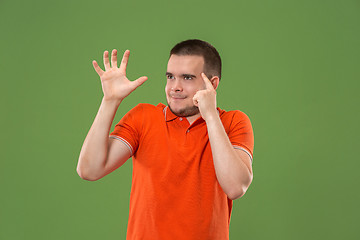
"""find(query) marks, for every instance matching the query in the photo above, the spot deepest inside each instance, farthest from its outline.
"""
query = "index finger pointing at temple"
(124, 61)
(207, 81)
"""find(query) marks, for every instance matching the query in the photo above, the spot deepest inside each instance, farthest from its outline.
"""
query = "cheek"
(167, 88)
(191, 90)
(168, 84)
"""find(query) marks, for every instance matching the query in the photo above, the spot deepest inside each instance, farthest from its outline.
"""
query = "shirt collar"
(169, 115)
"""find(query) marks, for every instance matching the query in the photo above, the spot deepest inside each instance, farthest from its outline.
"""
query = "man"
(190, 158)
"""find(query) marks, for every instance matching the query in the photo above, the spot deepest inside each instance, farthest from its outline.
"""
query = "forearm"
(232, 173)
(94, 151)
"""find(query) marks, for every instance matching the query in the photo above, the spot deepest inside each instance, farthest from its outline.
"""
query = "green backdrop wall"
(291, 66)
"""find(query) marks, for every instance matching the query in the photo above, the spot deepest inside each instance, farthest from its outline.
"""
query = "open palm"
(116, 86)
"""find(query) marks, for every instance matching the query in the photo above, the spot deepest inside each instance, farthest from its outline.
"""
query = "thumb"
(139, 81)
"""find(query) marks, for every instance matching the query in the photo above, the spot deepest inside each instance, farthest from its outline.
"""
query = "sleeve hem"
(125, 142)
(245, 150)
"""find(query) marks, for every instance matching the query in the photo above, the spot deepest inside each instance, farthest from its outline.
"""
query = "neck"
(192, 118)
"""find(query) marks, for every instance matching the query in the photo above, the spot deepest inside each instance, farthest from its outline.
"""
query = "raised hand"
(116, 86)
(205, 99)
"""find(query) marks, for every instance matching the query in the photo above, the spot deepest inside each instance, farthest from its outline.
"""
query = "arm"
(232, 166)
(100, 155)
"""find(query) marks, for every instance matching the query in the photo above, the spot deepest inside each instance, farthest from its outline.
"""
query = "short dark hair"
(212, 60)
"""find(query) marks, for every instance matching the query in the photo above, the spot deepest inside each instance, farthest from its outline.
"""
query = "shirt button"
(180, 119)
(188, 130)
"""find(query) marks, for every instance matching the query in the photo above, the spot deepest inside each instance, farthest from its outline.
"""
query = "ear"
(215, 81)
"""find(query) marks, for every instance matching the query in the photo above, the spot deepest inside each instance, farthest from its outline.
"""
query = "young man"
(190, 158)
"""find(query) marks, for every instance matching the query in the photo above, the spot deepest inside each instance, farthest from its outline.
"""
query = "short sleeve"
(128, 129)
(241, 133)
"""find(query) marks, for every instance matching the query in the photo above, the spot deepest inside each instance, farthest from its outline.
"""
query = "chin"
(184, 112)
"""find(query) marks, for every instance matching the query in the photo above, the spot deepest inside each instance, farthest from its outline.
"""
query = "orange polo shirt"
(174, 192)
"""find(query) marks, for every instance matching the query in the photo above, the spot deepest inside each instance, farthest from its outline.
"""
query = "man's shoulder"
(232, 113)
(233, 116)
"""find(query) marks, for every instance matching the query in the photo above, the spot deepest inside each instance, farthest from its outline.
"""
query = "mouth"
(178, 97)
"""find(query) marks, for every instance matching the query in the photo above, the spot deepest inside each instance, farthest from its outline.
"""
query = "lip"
(177, 97)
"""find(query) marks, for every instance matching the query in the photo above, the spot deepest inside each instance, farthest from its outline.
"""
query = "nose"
(177, 87)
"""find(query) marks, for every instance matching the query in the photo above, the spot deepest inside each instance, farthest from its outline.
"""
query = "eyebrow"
(184, 75)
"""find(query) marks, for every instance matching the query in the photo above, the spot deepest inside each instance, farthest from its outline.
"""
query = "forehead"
(179, 64)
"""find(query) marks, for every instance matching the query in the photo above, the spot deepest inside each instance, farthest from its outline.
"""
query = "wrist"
(211, 116)
(115, 102)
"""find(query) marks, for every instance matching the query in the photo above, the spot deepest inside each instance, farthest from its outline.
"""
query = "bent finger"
(124, 61)
(99, 71)
(195, 101)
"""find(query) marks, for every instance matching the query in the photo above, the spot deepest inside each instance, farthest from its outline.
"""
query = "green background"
(291, 66)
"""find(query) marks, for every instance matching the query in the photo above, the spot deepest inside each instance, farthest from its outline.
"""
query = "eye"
(170, 77)
(188, 78)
